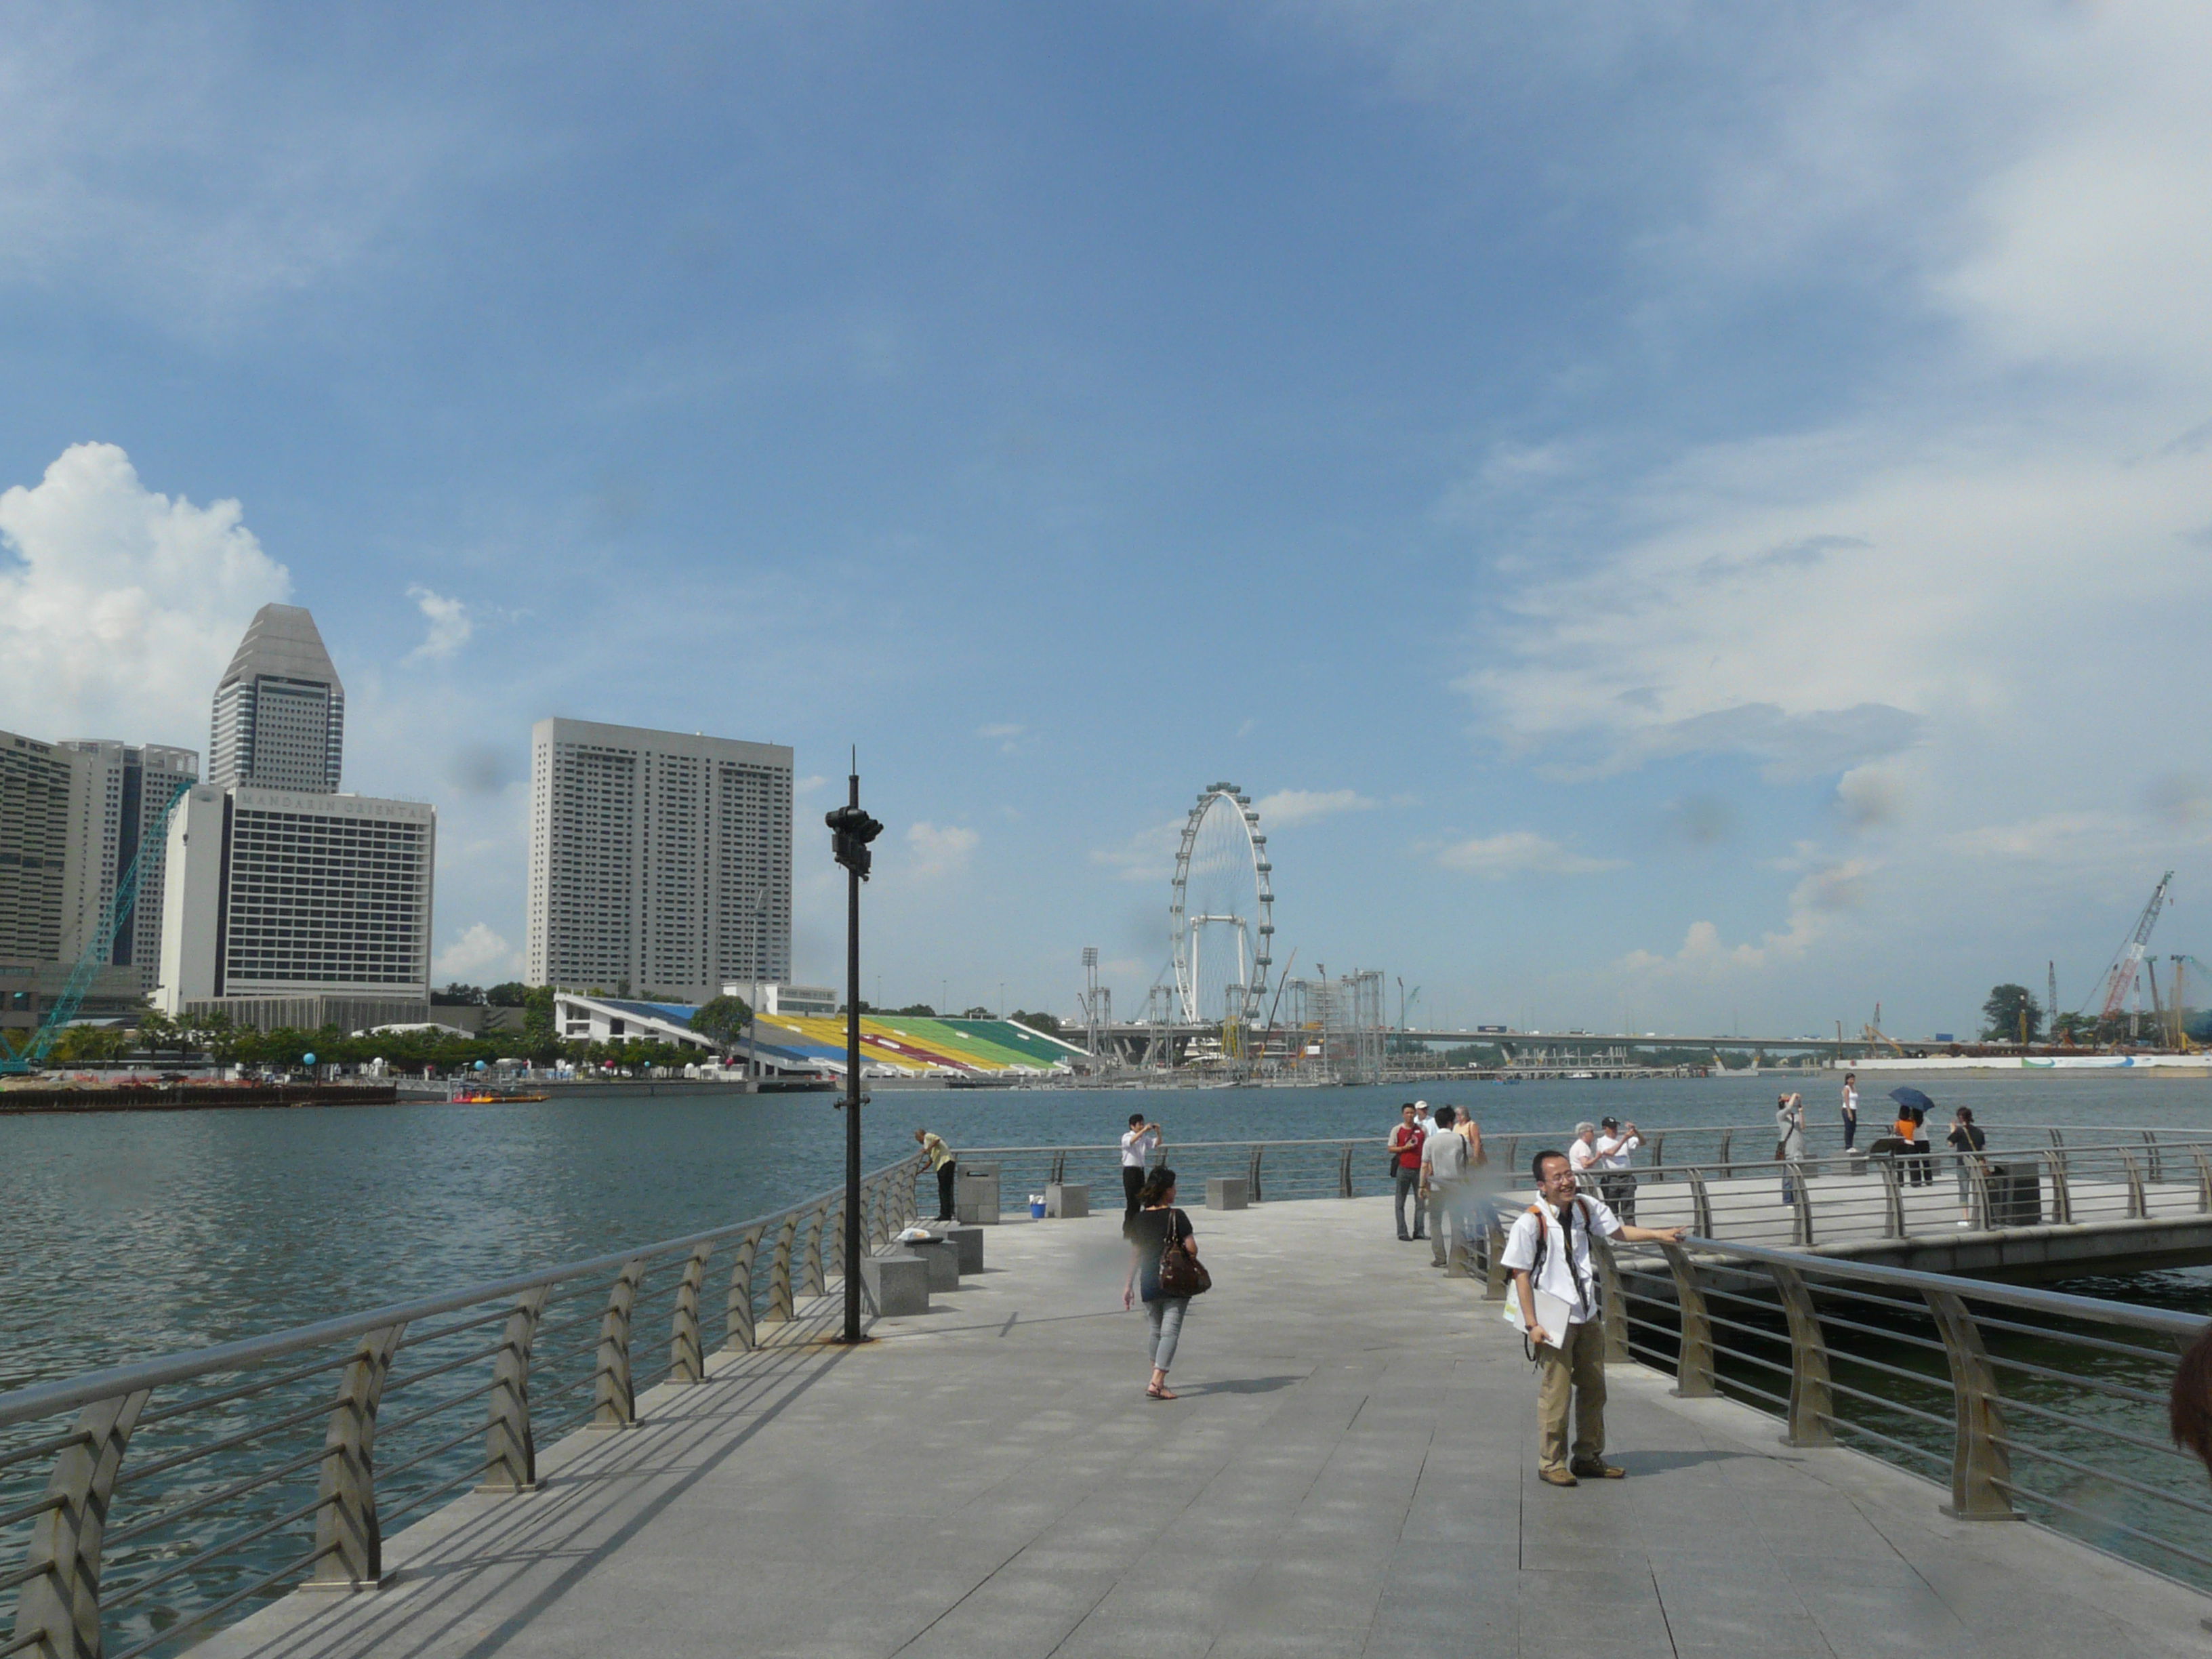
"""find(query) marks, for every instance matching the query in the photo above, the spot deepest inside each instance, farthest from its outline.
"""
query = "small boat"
(486, 1097)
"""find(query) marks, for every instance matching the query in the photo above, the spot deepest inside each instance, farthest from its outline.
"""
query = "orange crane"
(2120, 978)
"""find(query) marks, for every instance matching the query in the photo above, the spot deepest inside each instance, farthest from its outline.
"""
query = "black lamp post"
(851, 830)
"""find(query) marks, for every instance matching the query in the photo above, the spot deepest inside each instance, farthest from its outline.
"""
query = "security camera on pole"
(851, 830)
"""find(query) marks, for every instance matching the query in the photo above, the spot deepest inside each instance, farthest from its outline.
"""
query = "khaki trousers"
(1577, 1366)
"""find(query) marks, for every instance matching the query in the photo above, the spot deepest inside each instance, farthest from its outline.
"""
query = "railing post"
(1343, 1172)
(2138, 1202)
(2057, 1139)
(1801, 1225)
(1494, 1276)
(809, 1253)
(1613, 1305)
(1701, 1202)
(780, 1306)
(1658, 1155)
(1512, 1148)
(2062, 1194)
(58, 1613)
(1693, 1367)
(1252, 1176)
(836, 1240)
(741, 1303)
(2203, 1177)
(510, 1449)
(1978, 1176)
(908, 1213)
(349, 1542)
(687, 1354)
(2153, 1157)
(1811, 1404)
(614, 1400)
(1728, 1165)
(1059, 1166)
(1979, 1465)
(1893, 1196)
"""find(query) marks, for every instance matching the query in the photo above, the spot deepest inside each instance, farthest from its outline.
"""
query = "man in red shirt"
(1405, 1169)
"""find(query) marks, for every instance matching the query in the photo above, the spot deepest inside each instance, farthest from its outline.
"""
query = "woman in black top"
(1965, 1136)
(1157, 1222)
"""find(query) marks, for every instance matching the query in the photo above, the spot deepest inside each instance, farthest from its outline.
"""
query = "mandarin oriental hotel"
(291, 895)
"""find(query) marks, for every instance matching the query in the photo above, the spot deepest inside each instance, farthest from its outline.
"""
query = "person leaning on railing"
(940, 1159)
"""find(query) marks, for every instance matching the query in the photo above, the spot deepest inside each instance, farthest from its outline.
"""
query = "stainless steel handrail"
(65, 1585)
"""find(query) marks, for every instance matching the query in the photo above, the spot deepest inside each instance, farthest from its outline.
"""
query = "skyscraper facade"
(120, 794)
(36, 781)
(279, 708)
(660, 861)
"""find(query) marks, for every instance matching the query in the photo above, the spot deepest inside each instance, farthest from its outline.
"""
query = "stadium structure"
(891, 1045)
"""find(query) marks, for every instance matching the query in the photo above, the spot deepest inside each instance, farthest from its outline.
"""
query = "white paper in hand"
(1551, 1313)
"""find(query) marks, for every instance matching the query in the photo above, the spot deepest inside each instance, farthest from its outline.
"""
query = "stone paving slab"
(1349, 1471)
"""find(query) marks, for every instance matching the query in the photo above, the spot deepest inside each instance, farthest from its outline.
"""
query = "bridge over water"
(1350, 1469)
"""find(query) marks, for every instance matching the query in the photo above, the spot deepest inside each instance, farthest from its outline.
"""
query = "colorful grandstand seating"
(915, 1045)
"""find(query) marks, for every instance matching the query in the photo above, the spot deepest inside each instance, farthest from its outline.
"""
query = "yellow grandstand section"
(917, 1047)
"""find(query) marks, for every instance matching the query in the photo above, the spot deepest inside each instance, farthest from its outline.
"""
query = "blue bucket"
(1037, 1207)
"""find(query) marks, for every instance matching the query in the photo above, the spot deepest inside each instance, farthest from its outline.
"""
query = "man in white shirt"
(1549, 1249)
(1616, 1178)
(1582, 1150)
(1422, 1120)
(1444, 1189)
(1137, 1149)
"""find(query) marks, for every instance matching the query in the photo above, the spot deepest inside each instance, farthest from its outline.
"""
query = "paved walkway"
(1349, 1472)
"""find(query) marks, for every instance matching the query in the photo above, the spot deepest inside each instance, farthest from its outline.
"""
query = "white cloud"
(1289, 806)
(1007, 737)
(1816, 905)
(120, 607)
(478, 955)
(939, 850)
(807, 785)
(1148, 856)
(1519, 852)
(450, 625)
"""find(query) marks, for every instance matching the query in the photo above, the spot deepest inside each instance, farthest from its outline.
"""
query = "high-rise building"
(119, 799)
(287, 908)
(37, 780)
(279, 709)
(660, 861)
(288, 903)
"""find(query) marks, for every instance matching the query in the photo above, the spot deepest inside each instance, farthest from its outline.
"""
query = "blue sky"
(1682, 515)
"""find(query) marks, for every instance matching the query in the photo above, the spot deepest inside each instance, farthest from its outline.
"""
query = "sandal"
(1160, 1394)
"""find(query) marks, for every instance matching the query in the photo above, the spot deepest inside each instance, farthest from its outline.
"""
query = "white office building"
(279, 710)
(287, 908)
(660, 861)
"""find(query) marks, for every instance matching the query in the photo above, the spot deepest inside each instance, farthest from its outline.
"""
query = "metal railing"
(141, 1504)
(2028, 1404)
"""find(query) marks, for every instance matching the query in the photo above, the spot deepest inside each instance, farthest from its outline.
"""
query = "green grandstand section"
(1034, 1047)
(907, 1043)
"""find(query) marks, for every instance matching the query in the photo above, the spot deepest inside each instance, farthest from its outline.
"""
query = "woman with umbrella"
(1912, 1127)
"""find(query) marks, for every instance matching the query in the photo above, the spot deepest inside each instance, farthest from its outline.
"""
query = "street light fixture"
(851, 830)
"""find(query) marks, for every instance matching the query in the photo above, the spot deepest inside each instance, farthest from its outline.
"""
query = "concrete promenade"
(1349, 1471)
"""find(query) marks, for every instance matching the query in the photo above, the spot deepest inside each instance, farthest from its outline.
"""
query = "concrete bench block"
(1064, 1201)
(967, 1244)
(976, 1195)
(1226, 1192)
(941, 1258)
(898, 1284)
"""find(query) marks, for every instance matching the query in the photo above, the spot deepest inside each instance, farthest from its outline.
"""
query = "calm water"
(133, 1234)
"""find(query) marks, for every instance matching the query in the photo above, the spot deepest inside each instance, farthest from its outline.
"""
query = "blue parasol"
(1913, 1097)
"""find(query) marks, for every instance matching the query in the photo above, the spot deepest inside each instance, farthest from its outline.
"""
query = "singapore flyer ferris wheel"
(1221, 917)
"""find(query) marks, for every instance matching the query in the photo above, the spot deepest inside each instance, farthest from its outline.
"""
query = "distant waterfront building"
(36, 781)
(287, 908)
(279, 710)
(660, 861)
(288, 903)
(120, 794)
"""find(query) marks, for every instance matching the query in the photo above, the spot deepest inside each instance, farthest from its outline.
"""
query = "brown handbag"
(1181, 1273)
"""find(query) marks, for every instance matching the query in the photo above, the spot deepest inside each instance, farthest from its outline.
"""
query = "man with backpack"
(1549, 1250)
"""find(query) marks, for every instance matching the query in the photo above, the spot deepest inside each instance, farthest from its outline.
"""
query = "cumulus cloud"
(938, 850)
(450, 625)
(1007, 736)
(1816, 904)
(97, 571)
(479, 954)
(1520, 852)
(1289, 806)
(1148, 856)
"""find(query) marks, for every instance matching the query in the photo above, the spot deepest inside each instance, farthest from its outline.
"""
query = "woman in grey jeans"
(1157, 1222)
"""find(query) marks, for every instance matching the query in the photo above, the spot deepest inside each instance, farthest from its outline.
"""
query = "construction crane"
(99, 950)
(1872, 1034)
(2120, 978)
